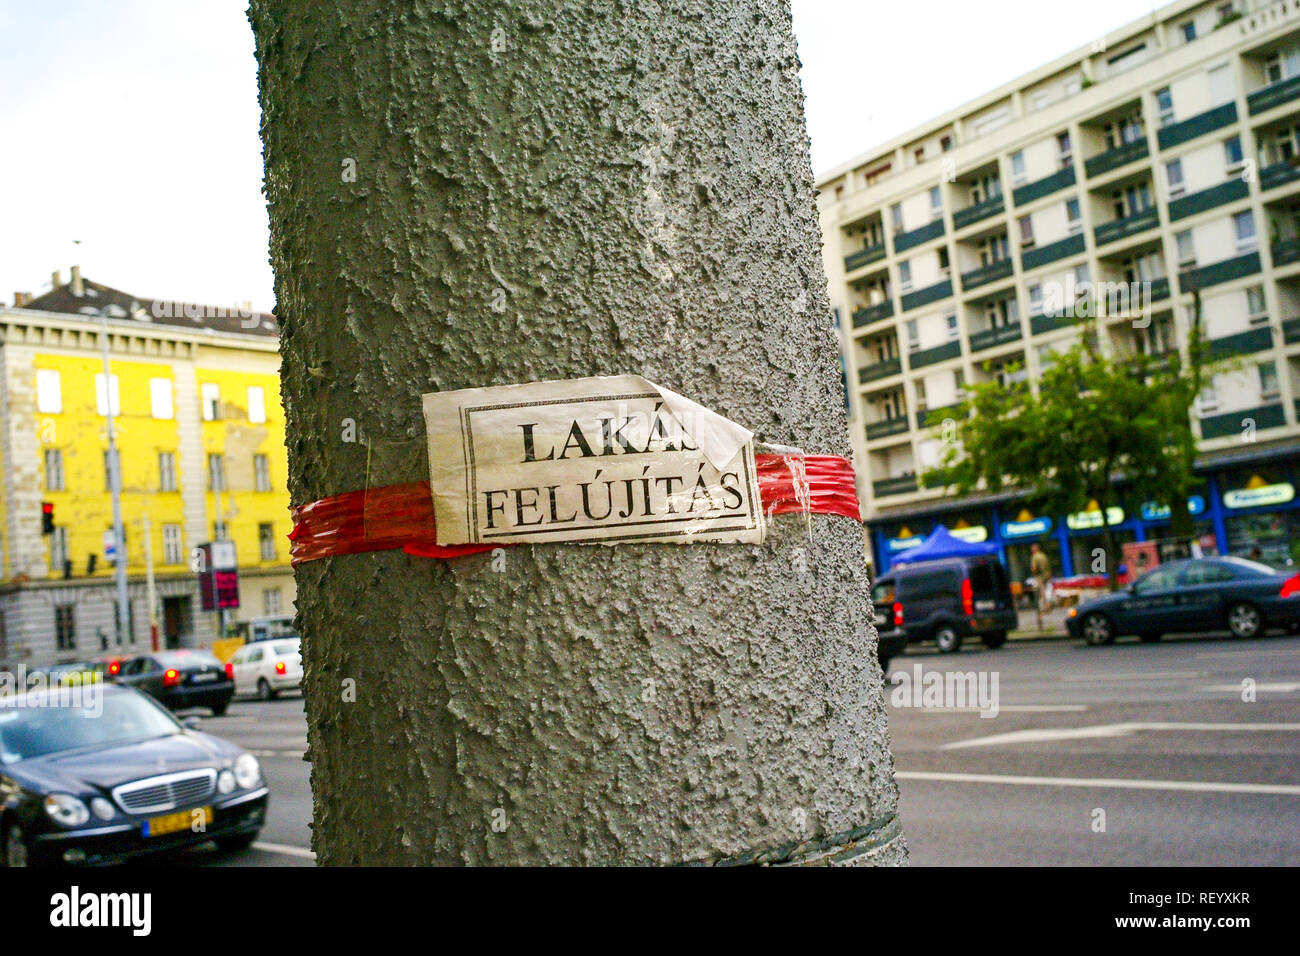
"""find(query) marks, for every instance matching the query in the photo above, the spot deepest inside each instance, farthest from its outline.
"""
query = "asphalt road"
(1157, 737)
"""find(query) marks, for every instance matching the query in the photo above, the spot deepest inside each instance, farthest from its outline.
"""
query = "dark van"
(946, 601)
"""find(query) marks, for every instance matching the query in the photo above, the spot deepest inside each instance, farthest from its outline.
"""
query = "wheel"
(15, 846)
(994, 640)
(1244, 620)
(240, 841)
(1149, 638)
(947, 640)
(264, 691)
(1097, 630)
(219, 710)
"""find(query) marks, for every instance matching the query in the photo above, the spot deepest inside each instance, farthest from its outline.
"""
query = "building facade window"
(54, 469)
(1026, 224)
(210, 393)
(107, 398)
(1256, 310)
(256, 404)
(1174, 177)
(58, 548)
(1268, 384)
(1073, 216)
(1165, 106)
(220, 531)
(160, 399)
(1018, 174)
(65, 627)
(1243, 224)
(166, 471)
(936, 202)
(262, 464)
(905, 276)
(49, 391)
(1232, 155)
(1186, 249)
(266, 541)
(173, 552)
(216, 472)
(272, 601)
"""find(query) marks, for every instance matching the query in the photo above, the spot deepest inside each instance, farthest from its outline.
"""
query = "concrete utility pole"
(480, 194)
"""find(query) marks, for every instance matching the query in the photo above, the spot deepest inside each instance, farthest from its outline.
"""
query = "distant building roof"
(124, 306)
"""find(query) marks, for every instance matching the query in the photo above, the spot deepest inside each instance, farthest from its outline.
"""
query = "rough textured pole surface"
(548, 190)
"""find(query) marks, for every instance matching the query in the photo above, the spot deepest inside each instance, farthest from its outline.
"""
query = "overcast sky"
(132, 126)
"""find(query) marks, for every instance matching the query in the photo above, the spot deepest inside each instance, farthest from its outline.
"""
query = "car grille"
(166, 792)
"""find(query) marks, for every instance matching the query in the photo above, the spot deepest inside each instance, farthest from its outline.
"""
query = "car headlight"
(102, 808)
(247, 772)
(66, 809)
(225, 781)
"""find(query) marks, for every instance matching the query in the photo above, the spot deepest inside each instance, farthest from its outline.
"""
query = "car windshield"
(33, 725)
(1245, 564)
(285, 649)
(179, 659)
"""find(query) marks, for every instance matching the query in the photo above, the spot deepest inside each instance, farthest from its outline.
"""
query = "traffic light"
(47, 517)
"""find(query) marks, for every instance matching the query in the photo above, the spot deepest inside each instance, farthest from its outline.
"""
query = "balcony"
(1275, 94)
(914, 300)
(991, 337)
(878, 370)
(1236, 423)
(1040, 324)
(890, 426)
(893, 486)
(1291, 331)
(939, 353)
(906, 240)
(1279, 174)
(1198, 125)
(873, 313)
(982, 210)
(1218, 272)
(926, 417)
(986, 274)
(1118, 229)
(1117, 157)
(1242, 343)
(1230, 191)
(1285, 252)
(862, 257)
(1041, 255)
(1044, 187)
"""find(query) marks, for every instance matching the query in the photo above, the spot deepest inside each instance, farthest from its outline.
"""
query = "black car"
(1196, 594)
(104, 774)
(180, 679)
(945, 601)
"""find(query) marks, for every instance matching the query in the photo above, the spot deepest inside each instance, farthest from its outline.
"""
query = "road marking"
(1290, 688)
(1153, 675)
(285, 849)
(1279, 652)
(1107, 730)
(1195, 786)
(1012, 708)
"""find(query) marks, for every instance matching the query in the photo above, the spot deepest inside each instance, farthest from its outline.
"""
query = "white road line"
(1012, 709)
(285, 849)
(1153, 675)
(1195, 786)
(1279, 652)
(1277, 688)
(1108, 730)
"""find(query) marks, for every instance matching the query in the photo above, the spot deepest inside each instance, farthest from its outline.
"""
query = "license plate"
(175, 822)
(199, 678)
(985, 605)
(880, 619)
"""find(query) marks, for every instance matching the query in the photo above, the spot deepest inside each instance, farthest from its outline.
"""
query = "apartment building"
(199, 428)
(1158, 159)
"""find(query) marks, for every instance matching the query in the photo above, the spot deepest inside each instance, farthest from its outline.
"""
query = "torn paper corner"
(719, 439)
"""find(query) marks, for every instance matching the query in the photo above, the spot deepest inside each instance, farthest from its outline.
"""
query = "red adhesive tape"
(401, 516)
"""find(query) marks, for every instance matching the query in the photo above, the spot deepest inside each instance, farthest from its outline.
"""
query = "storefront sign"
(902, 544)
(971, 533)
(1083, 520)
(1154, 512)
(1258, 497)
(1026, 529)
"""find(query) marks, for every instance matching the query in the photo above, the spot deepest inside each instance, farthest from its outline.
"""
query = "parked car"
(69, 671)
(1195, 594)
(946, 601)
(130, 782)
(267, 667)
(179, 679)
(891, 641)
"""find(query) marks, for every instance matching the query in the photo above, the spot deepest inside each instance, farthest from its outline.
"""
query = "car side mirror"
(190, 723)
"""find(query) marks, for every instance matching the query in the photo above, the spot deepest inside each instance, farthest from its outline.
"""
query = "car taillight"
(171, 677)
(279, 667)
(230, 670)
(898, 614)
(115, 668)
(1291, 586)
(967, 598)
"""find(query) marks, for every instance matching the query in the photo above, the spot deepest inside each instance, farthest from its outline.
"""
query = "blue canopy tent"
(942, 544)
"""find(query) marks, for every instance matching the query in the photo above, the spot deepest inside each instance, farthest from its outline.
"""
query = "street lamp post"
(115, 485)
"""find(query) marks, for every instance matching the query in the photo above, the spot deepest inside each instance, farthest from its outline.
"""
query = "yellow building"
(194, 392)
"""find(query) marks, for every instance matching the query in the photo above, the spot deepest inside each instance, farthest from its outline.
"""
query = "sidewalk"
(1053, 628)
